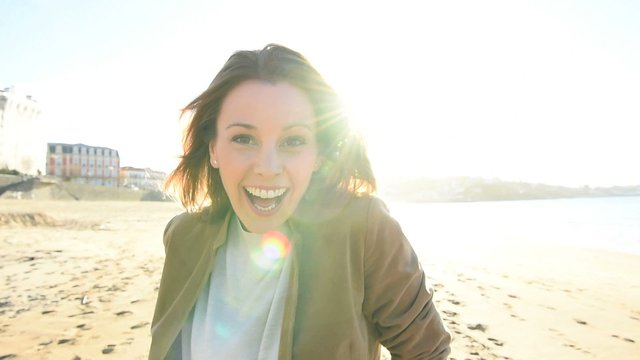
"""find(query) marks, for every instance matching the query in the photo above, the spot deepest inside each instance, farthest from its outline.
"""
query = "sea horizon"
(602, 223)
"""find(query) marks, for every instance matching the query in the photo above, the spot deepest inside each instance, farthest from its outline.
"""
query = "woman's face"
(266, 151)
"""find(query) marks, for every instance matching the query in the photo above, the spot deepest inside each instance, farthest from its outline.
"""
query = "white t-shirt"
(238, 315)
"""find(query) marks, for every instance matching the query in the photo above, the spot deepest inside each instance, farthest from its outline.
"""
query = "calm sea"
(611, 223)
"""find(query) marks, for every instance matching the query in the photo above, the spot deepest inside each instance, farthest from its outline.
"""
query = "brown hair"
(345, 166)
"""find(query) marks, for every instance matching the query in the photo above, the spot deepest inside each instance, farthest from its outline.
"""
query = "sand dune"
(79, 281)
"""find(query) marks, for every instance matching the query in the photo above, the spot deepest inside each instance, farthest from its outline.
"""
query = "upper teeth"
(265, 194)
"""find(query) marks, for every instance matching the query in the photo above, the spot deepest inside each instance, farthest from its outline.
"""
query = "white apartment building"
(139, 178)
(21, 142)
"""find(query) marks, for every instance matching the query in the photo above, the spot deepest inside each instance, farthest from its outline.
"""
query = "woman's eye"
(243, 139)
(294, 141)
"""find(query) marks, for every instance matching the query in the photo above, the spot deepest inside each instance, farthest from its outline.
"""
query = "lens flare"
(274, 247)
(222, 331)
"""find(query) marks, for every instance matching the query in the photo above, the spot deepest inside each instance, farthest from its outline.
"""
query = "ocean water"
(611, 223)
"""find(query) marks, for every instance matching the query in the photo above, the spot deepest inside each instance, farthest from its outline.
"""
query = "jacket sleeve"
(171, 351)
(397, 302)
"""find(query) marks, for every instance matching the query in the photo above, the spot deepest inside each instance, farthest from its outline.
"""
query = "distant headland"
(462, 189)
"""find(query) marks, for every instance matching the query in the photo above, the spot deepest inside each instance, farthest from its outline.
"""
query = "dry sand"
(79, 281)
(79, 278)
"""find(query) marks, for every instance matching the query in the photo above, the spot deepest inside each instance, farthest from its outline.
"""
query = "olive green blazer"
(355, 281)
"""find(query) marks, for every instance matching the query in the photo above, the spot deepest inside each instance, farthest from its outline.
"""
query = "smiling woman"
(285, 252)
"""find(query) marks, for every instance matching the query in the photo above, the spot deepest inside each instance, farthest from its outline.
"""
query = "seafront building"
(21, 143)
(83, 164)
(138, 178)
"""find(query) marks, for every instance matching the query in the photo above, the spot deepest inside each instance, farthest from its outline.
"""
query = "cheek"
(305, 166)
(233, 160)
(231, 169)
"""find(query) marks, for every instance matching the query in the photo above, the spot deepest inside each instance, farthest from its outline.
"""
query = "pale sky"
(538, 91)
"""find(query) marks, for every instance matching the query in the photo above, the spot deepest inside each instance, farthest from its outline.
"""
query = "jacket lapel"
(190, 259)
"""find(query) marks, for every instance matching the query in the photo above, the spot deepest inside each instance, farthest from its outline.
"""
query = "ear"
(213, 159)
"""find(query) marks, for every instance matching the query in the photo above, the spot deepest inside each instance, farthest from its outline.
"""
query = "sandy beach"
(79, 281)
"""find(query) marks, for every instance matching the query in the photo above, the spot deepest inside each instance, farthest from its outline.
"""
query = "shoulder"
(181, 222)
(349, 208)
(381, 232)
(189, 224)
(365, 217)
(369, 209)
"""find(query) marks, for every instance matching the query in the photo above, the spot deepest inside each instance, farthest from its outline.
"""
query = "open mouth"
(265, 200)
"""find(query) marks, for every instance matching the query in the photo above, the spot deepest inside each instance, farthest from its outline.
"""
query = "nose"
(269, 162)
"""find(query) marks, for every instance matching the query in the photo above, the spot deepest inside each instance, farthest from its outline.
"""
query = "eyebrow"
(252, 127)
(242, 125)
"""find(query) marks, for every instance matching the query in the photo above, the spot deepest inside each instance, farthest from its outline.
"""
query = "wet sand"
(80, 279)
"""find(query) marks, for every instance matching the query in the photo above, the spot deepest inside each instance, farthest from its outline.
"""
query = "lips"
(265, 200)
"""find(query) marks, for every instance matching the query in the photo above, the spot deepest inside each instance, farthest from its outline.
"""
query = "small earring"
(214, 163)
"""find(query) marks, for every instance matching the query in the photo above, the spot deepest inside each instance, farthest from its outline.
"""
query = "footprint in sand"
(478, 326)
(129, 341)
(83, 313)
(140, 325)
(575, 347)
(451, 323)
(625, 339)
(109, 349)
(477, 348)
(84, 327)
(454, 301)
(6, 303)
(450, 313)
